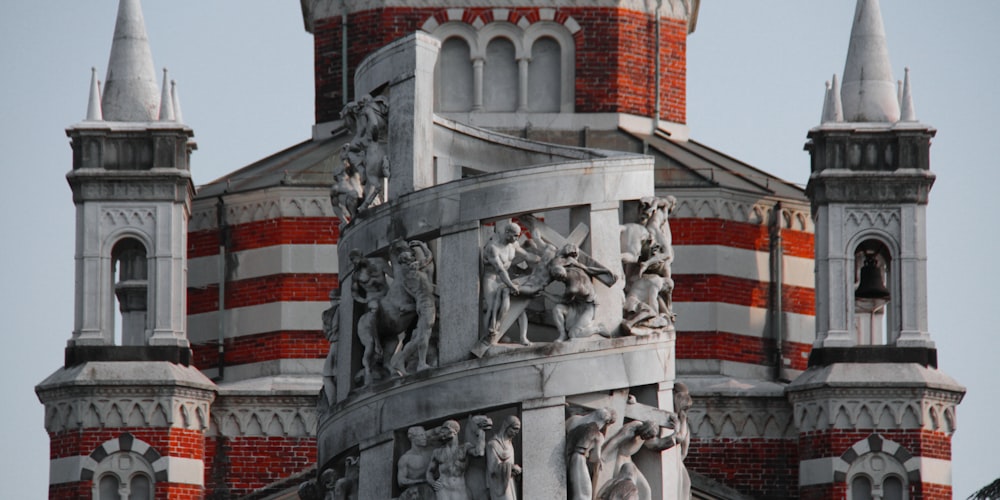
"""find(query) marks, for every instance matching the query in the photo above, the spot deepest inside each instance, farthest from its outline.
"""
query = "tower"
(126, 414)
(874, 414)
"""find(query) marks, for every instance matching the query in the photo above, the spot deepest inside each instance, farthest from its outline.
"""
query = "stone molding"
(125, 443)
(753, 211)
(69, 409)
(143, 218)
(846, 409)
(264, 416)
(271, 203)
(740, 417)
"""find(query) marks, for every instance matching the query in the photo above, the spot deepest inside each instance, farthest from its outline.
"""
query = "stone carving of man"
(369, 286)
(328, 481)
(417, 264)
(682, 437)
(500, 466)
(623, 485)
(574, 314)
(584, 441)
(331, 329)
(446, 471)
(647, 304)
(412, 466)
(499, 253)
(627, 441)
(346, 191)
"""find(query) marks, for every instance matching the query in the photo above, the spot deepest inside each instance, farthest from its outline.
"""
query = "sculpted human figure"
(623, 485)
(647, 304)
(618, 449)
(682, 436)
(584, 442)
(418, 284)
(367, 118)
(499, 253)
(346, 191)
(369, 287)
(573, 315)
(331, 330)
(328, 481)
(346, 488)
(412, 466)
(449, 462)
(500, 466)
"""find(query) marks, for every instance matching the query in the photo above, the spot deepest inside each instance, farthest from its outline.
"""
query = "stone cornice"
(255, 206)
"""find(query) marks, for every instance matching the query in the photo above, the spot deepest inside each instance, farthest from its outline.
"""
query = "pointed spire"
(175, 97)
(899, 92)
(907, 112)
(833, 110)
(869, 92)
(94, 105)
(130, 93)
(166, 103)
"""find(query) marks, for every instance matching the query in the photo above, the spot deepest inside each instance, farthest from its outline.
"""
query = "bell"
(872, 284)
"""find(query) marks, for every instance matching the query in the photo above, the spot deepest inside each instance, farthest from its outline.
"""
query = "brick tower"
(874, 414)
(126, 414)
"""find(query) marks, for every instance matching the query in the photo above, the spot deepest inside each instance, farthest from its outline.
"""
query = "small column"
(522, 84)
(375, 467)
(458, 287)
(543, 448)
(477, 84)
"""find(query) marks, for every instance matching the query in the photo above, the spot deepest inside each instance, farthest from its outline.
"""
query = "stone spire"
(130, 92)
(833, 109)
(166, 102)
(94, 105)
(907, 112)
(869, 91)
(175, 97)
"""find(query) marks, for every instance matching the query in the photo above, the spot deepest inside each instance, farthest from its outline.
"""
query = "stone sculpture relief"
(411, 469)
(446, 472)
(647, 254)
(331, 330)
(682, 438)
(619, 448)
(360, 183)
(585, 435)
(396, 328)
(500, 252)
(500, 467)
(574, 311)
(623, 486)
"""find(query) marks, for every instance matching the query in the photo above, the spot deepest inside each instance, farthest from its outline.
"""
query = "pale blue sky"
(244, 71)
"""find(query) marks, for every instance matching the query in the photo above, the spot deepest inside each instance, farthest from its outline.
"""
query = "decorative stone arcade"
(533, 354)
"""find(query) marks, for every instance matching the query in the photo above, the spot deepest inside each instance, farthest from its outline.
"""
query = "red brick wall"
(614, 55)
(168, 441)
(235, 467)
(270, 232)
(761, 468)
(744, 235)
(833, 443)
(263, 290)
(739, 348)
(741, 291)
(305, 344)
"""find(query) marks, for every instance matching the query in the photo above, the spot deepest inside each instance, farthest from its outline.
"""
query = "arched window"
(861, 488)
(876, 475)
(455, 81)
(500, 76)
(124, 475)
(892, 488)
(872, 265)
(131, 289)
(544, 76)
(140, 488)
(108, 487)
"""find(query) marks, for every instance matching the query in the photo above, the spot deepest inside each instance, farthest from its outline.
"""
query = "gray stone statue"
(500, 467)
(367, 119)
(417, 266)
(328, 481)
(647, 253)
(331, 330)
(574, 311)
(346, 488)
(500, 252)
(585, 435)
(619, 448)
(623, 486)
(449, 462)
(682, 438)
(411, 469)
(347, 191)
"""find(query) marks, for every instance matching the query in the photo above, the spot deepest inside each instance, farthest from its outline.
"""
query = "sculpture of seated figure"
(412, 466)
(573, 314)
(647, 305)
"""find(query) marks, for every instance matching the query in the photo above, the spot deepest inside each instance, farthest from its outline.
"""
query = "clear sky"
(756, 72)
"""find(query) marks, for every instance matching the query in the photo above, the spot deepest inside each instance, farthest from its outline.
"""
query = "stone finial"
(94, 104)
(869, 91)
(174, 96)
(166, 101)
(130, 92)
(833, 109)
(907, 112)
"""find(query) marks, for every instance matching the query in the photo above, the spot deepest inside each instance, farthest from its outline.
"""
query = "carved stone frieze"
(711, 418)
(290, 417)
(135, 217)
(127, 408)
(301, 203)
(793, 217)
(896, 409)
(865, 218)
